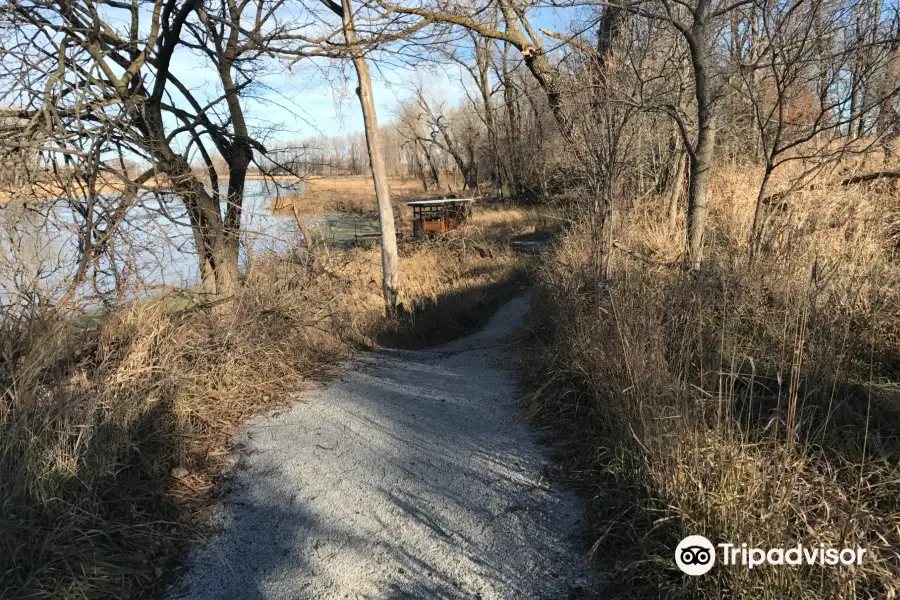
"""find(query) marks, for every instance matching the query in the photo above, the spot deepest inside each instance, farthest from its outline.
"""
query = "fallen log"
(871, 177)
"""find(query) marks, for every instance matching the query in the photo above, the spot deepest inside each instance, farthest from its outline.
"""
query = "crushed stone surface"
(409, 476)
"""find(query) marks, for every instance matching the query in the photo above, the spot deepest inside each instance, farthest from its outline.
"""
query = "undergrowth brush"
(750, 402)
(114, 428)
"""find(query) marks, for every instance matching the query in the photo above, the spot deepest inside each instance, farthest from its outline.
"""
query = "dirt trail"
(409, 477)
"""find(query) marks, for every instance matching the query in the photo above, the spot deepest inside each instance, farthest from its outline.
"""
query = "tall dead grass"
(754, 404)
(113, 430)
(111, 438)
(348, 194)
(455, 282)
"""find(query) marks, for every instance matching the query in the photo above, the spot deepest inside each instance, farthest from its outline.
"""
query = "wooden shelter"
(439, 215)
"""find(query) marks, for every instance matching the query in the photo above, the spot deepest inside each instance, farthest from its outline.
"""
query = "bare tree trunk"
(482, 56)
(431, 166)
(886, 119)
(676, 187)
(225, 255)
(702, 156)
(602, 230)
(514, 130)
(238, 158)
(217, 252)
(304, 230)
(467, 169)
(756, 232)
(701, 164)
(308, 242)
(389, 259)
(420, 168)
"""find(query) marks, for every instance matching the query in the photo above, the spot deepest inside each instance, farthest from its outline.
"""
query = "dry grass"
(92, 435)
(454, 283)
(349, 194)
(41, 190)
(451, 284)
(756, 404)
(109, 185)
(113, 430)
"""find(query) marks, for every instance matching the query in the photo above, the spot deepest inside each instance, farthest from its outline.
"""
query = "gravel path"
(408, 477)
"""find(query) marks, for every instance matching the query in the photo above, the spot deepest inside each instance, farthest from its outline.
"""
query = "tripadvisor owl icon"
(695, 555)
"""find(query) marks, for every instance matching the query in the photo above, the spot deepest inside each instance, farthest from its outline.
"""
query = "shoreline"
(50, 190)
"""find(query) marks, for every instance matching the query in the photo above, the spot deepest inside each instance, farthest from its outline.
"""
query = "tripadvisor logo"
(696, 555)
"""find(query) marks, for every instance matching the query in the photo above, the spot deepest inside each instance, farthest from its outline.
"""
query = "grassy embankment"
(112, 432)
(108, 184)
(754, 404)
(351, 194)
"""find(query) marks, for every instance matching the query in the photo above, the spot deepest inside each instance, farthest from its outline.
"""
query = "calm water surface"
(39, 245)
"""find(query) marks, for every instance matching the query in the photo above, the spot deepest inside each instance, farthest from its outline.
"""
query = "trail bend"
(409, 476)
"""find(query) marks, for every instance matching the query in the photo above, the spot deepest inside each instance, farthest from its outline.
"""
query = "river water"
(39, 244)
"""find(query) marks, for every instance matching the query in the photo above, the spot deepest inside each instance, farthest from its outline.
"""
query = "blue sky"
(317, 96)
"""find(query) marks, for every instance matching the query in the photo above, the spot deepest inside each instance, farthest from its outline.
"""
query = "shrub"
(753, 403)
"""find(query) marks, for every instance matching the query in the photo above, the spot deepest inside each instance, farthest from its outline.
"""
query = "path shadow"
(410, 477)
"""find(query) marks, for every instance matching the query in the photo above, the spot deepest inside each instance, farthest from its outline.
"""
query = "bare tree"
(462, 151)
(411, 127)
(802, 102)
(390, 261)
(73, 68)
(887, 121)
